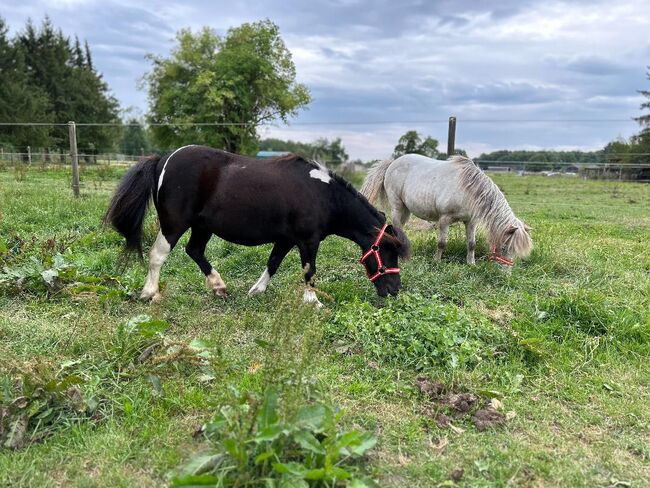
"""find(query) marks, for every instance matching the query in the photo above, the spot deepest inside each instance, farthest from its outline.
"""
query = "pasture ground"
(563, 343)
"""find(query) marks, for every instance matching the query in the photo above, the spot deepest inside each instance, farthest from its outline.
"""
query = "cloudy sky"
(517, 73)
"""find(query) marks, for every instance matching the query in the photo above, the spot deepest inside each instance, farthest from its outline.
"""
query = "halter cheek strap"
(495, 256)
(374, 251)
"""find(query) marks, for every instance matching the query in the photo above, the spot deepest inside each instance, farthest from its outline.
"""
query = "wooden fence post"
(451, 137)
(73, 157)
(29, 155)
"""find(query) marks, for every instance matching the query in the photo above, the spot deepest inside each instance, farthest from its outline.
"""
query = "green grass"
(563, 342)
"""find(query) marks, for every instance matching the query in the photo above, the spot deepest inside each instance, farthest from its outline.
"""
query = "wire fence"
(619, 166)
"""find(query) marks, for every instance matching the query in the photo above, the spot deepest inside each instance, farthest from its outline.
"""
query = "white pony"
(449, 191)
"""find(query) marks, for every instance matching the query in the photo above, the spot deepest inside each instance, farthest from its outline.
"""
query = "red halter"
(374, 250)
(495, 256)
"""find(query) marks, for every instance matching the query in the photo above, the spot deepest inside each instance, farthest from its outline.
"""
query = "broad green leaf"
(194, 480)
(315, 474)
(268, 411)
(367, 442)
(152, 328)
(311, 417)
(263, 457)
(293, 468)
(200, 464)
(307, 441)
(340, 473)
(269, 433)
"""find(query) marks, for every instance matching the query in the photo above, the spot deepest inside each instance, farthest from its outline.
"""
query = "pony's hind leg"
(196, 250)
(308, 253)
(157, 256)
(470, 232)
(443, 225)
(280, 250)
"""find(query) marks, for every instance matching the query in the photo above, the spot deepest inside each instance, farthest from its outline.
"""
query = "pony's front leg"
(470, 233)
(399, 215)
(280, 250)
(157, 256)
(196, 250)
(443, 224)
(308, 253)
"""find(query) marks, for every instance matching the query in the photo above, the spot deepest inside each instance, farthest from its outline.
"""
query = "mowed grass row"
(563, 342)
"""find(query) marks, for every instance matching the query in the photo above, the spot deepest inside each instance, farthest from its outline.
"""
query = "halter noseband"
(374, 250)
(495, 256)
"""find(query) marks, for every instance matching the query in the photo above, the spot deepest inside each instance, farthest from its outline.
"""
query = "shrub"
(253, 445)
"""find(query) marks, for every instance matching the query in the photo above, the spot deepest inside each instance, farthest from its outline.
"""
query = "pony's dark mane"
(399, 239)
(297, 158)
(348, 186)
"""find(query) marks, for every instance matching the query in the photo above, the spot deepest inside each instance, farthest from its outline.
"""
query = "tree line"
(46, 76)
(232, 83)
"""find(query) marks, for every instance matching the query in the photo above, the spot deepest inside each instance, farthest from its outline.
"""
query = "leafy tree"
(240, 80)
(412, 143)
(20, 101)
(272, 144)
(134, 138)
(332, 153)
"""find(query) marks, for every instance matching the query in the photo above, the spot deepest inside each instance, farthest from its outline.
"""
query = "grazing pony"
(449, 191)
(288, 201)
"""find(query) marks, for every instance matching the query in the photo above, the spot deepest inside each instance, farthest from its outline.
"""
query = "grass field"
(563, 345)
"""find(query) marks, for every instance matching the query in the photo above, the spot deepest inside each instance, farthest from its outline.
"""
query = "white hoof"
(310, 297)
(261, 284)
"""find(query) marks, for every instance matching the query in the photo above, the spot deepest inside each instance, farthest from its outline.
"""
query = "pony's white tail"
(373, 186)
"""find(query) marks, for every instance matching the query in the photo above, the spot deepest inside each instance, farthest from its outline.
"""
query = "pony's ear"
(527, 228)
(511, 230)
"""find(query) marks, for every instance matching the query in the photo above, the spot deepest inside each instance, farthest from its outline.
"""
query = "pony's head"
(514, 242)
(393, 246)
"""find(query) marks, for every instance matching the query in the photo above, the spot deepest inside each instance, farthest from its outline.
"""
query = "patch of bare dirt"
(446, 406)
(488, 417)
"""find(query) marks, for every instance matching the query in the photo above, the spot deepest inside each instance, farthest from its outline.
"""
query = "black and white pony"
(288, 201)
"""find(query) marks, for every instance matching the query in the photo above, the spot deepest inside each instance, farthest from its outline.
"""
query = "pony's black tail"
(130, 201)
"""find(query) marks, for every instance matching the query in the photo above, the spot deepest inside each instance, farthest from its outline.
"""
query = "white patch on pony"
(320, 174)
(310, 297)
(157, 256)
(262, 283)
(162, 173)
(214, 283)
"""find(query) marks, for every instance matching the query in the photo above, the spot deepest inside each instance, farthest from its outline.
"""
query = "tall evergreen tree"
(20, 101)
(644, 120)
(76, 92)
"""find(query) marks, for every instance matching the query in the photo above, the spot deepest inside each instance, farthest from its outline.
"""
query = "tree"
(134, 138)
(411, 143)
(20, 101)
(240, 80)
(644, 120)
(75, 91)
(332, 153)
